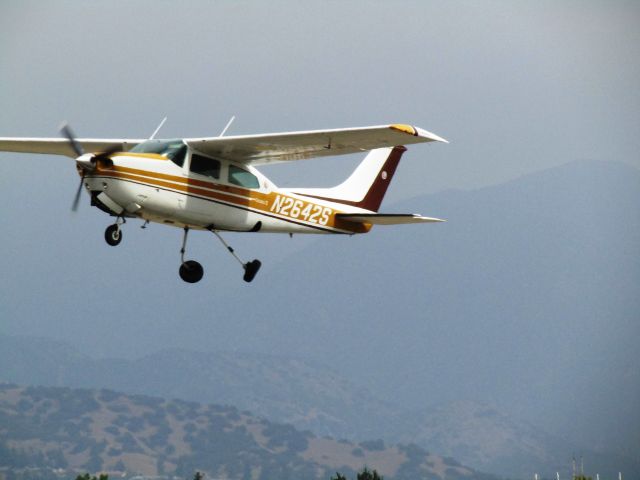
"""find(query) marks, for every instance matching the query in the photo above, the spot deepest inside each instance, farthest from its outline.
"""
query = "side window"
(205, 166)
(238, 176)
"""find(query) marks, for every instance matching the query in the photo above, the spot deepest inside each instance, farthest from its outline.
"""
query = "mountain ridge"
(309, 397)
(102, 430)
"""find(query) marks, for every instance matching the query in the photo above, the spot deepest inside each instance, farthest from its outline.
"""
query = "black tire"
(113, 235)
(191, 271)
(250, 270)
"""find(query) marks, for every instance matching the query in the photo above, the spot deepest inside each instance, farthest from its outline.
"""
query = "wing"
(386, 218)
(283, 147)
(61, 146)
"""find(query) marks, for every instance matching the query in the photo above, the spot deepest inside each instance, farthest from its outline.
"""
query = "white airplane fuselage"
(156, 189)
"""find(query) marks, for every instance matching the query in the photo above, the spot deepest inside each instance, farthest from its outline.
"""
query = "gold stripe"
(403, 128)
(148, 156)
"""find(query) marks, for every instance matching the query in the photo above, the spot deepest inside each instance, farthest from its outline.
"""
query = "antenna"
(158, 129)
(224, 130)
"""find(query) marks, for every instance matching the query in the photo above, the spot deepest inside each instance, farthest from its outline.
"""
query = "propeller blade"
(104, 156)
(68, 134)
(76, 200)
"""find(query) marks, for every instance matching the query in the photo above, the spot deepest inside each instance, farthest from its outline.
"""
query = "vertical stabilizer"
(367, 185)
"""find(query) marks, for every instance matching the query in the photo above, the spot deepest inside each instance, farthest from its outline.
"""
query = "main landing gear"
(192, 272)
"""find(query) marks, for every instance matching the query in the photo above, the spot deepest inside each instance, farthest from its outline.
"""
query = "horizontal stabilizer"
(386, 218)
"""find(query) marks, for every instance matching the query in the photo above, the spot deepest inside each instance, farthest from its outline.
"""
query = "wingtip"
(431, 136)
(417, 132)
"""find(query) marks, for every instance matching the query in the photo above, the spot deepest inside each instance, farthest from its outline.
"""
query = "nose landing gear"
(113, 234)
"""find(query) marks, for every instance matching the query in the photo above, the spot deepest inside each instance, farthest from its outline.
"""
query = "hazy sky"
(515, 86)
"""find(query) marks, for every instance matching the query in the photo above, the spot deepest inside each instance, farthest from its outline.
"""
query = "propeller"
(66, 132)
(76, 199)
(103, 157)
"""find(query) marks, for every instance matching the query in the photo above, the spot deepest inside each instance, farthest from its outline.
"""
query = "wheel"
(113, 235)
(250, 270)
(191, 271)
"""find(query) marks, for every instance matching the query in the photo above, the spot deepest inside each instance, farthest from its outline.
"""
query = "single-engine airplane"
(212, 184)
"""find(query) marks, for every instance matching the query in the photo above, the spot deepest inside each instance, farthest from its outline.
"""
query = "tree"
(86, 476)
(365, 474)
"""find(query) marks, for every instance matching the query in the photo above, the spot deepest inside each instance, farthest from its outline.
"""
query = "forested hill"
(101, 430)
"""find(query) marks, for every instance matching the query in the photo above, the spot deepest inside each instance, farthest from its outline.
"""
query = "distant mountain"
(306, 395)
(493, 441)
(310, 397)
(101, 430)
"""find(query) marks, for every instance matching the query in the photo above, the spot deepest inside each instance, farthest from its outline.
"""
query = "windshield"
(174, 149)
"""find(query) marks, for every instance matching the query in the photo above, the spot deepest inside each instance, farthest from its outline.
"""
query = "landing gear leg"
(250, 268)
(113, 234)
(190, 270)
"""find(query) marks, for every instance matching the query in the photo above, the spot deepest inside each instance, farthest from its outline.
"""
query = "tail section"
(367, 185)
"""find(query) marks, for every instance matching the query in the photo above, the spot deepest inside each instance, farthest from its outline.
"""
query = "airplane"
(212, 183)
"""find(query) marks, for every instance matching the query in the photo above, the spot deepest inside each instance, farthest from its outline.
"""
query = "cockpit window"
(205, 166)
(241, 177)
(174, 150)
